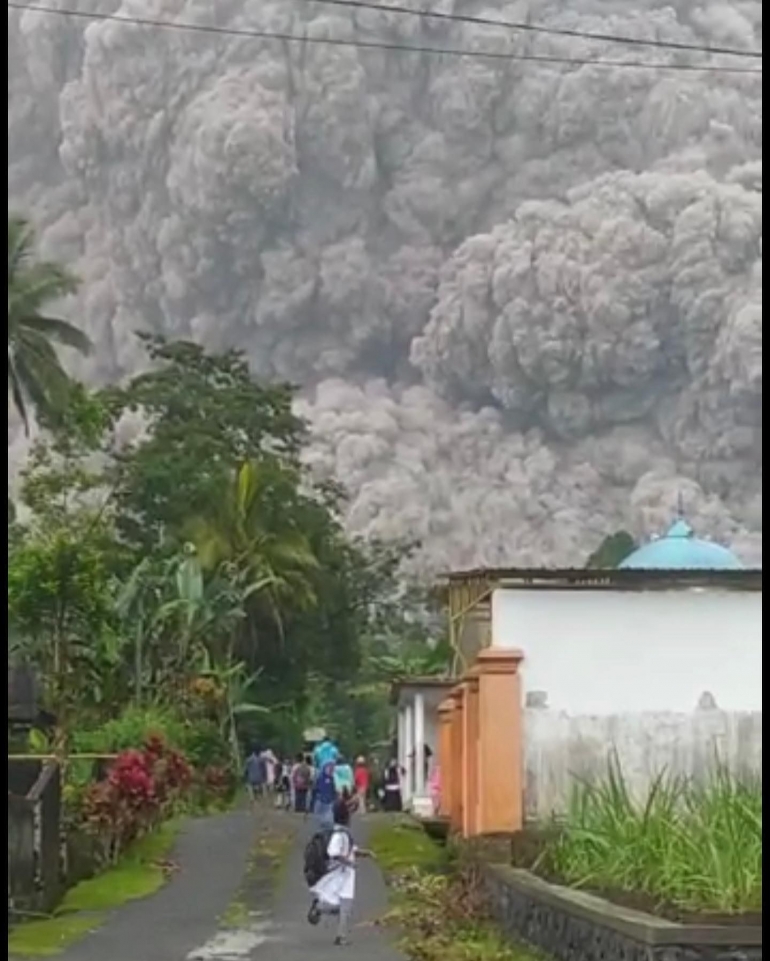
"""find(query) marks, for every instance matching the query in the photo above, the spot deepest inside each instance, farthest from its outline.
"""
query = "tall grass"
(693, 846)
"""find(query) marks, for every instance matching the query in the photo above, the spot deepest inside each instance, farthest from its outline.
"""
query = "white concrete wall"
(599, 652)
(559, 747)
(623, 672)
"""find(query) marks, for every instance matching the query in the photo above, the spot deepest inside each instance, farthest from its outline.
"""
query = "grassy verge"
(439, 907)
(402, 846)
(140, 873)
(46, 939)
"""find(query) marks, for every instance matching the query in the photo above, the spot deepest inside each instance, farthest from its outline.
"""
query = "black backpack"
(317, 857)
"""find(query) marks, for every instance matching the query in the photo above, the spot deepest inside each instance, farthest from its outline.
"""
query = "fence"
(41, 862)
(34, 844)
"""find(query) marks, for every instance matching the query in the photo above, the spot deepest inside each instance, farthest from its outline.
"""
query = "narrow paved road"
(182, 922)
(299, 941)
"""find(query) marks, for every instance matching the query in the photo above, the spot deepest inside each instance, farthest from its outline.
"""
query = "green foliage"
(612, 551)
(35, 373)
(207, 415)
(200, 567)
(402, 846)
(48, 938)
(142, 788)
(58, 584)
(131, 729)
(256, 528)
(441, 909)
(60, 609)
(199, 739)
(688, 846)
(140, 873)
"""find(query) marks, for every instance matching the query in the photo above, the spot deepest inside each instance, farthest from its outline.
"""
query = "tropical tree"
(612, 551)
(61, 616)
(253, 529)
(35, 373)
(207, 415)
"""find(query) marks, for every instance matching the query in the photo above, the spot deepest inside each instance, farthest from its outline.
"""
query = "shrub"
(199, 740)
(215, 786)
(693, 847)
(204, 745)
(141, 789)
(131, 730)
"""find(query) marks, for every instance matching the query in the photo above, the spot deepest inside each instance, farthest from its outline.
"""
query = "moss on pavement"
(46, 939)
(140, 873)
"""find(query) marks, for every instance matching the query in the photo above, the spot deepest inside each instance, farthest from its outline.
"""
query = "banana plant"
(138, 597)
(236, 682)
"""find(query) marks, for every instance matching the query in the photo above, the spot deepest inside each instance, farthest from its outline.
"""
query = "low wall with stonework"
(572, 925)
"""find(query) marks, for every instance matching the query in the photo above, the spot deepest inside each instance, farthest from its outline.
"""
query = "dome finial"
(680, 505)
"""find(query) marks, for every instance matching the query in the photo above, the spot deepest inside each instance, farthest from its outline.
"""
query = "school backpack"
(317, 857)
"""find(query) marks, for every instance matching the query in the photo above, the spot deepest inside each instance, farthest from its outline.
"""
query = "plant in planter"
(687, 848)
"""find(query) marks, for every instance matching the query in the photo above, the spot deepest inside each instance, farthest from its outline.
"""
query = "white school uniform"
(339, 883)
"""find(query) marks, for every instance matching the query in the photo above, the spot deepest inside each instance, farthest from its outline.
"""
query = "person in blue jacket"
(325, 796)
(325, 753)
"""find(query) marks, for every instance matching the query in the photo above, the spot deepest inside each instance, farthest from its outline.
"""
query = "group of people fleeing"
(323, 783)
(311, 782)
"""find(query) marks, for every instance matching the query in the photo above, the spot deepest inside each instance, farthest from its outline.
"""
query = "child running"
(335, 892)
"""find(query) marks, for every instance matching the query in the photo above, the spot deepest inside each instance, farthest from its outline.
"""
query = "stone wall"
(573, 926)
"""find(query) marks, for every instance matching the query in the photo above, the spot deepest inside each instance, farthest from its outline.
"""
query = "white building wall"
(560, 747)
(623, 672)
(609, 652)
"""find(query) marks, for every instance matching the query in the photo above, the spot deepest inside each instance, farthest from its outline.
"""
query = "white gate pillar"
(419, 745)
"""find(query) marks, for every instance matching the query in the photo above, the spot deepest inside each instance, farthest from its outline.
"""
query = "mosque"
(658, 661)
(680, 550)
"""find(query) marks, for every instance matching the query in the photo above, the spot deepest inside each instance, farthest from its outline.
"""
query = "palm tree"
(35, 373)
(251, 535)
(246, 532)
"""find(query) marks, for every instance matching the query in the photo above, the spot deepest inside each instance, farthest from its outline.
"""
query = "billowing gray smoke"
(524, 300)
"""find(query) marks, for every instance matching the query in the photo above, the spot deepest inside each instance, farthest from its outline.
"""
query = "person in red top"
(361, 780)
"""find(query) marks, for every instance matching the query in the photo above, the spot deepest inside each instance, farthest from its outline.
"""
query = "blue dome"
(681, 550)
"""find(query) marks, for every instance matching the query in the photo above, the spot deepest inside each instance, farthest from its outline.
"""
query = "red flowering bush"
(141, 788)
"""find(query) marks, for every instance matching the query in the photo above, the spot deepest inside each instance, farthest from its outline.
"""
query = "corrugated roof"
(617, 579)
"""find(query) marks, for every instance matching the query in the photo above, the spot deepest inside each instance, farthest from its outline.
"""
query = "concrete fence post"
(458, 758)
(471, 758)
(500, 742)
(446, 762)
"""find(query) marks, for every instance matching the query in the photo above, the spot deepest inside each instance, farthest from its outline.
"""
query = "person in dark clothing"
(393, 800)
(256, 775)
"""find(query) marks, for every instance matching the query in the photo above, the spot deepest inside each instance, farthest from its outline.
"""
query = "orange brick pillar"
(458, 758)
(471, 687)
(501, 750)
(445, 760)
